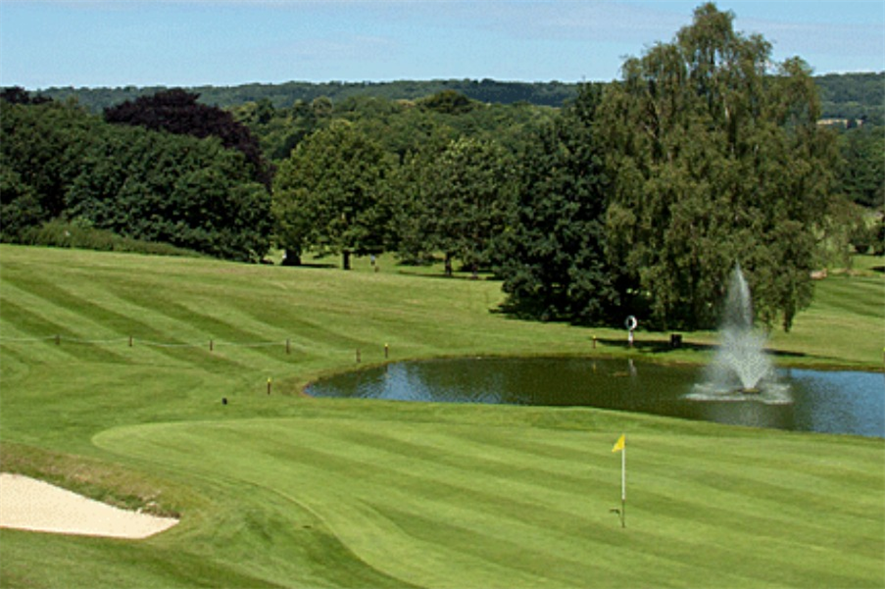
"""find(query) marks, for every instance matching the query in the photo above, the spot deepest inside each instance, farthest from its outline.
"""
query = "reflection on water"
(832, 402)
(749, 412)
(840, 402)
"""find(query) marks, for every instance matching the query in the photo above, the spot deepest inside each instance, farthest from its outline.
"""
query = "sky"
(94, 43)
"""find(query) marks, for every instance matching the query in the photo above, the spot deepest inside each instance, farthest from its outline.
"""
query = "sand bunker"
(29, 504)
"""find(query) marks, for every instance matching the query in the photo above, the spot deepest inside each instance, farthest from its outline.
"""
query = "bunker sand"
(29, 504)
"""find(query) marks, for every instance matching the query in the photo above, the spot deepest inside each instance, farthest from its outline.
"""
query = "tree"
(40, 156)
(460, 202)
(178, 111)
(327, 194)
(189, 192)
(278, 130)
(19, 205)
(862, 173)
(58, 162)
(450, 102)
(553, 260)
(715, 161)
(18, 95)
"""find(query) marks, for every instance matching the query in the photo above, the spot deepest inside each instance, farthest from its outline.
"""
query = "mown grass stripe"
(53, 350)
(367, 479)
(87, 322)
(453, 451)
(383, 486)
(321, 492)
(373, 482)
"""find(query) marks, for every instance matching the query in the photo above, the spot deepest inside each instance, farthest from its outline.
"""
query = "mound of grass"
(113, 370)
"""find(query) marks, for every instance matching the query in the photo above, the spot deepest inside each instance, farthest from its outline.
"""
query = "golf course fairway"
(174, 385)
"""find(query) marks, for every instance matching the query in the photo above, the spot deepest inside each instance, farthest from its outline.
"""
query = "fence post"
(288, 346)
(211, 345)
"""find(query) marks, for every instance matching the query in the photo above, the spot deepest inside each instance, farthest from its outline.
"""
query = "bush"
(81, 236)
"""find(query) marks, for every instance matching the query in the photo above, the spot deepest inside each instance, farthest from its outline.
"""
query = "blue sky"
(189, 43)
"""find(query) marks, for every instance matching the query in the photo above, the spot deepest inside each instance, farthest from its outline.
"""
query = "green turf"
(283, 490)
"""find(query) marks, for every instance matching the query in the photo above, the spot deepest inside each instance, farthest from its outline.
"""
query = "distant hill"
(853, 96)
(285, 94)
(843, 96)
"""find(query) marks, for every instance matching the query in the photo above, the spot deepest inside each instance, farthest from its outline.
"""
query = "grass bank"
(113, 369)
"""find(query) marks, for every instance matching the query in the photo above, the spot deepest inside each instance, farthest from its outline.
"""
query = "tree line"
(855, 96)
(132, 176)
(636, 197)
(552, 93)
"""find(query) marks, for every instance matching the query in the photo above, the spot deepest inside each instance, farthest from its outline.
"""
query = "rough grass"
(282, 490)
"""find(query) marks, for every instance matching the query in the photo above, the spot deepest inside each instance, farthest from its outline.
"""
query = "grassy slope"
(283, 490)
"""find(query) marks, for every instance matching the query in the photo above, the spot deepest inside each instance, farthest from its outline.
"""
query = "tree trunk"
(291, 258)
(345, 259)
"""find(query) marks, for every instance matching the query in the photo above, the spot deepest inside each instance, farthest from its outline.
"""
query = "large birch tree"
(717, 159)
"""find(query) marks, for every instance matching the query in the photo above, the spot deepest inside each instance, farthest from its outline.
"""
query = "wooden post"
(594, 342)
(130, 341)
(358, 355)
(269, 383)
(386, 351)
(288, 346)
(211, 345)
(57, 339)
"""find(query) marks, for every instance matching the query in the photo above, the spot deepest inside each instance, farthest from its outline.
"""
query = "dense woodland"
(589, 201)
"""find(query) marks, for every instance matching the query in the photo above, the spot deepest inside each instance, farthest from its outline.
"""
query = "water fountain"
(741, 369)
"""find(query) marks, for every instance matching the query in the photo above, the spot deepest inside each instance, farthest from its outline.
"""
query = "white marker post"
(631, 324)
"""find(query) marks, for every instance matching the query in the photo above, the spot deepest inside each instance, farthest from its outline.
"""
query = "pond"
(819, 401)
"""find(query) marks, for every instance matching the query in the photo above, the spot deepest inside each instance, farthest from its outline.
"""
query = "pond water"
(820, 401)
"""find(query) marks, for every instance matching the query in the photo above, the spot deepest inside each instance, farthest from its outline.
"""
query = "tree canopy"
(178, 111)
(458, 202)
(851, 95)
(59, 162)
(327, 194)
(716, 161)
(553, 258)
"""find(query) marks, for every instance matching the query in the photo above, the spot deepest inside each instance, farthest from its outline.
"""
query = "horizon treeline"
(851, 97)
(636, 197)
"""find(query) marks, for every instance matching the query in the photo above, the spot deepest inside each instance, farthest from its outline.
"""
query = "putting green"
(443, 504)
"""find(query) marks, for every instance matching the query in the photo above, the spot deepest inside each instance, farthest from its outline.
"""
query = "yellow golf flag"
(619, 445)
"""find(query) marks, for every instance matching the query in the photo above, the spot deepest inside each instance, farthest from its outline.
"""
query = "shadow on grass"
(664, 346)
(309, 265)
(455, 276)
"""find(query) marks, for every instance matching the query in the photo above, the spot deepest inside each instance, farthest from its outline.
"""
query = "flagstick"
(624, 486)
